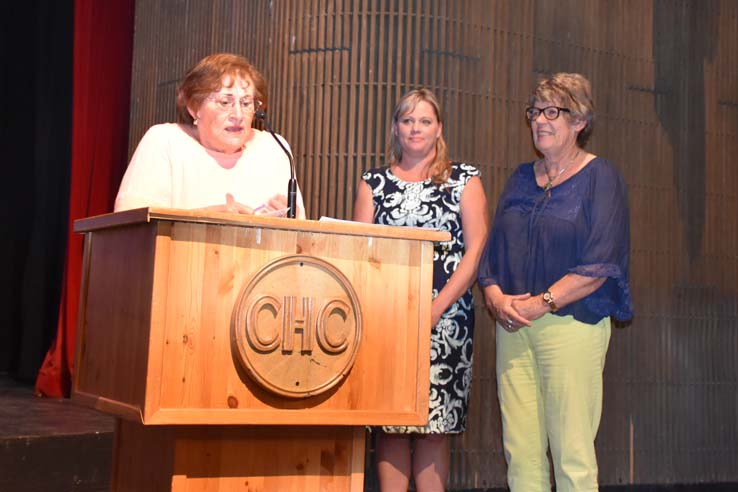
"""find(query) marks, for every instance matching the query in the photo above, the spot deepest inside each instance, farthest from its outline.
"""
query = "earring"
(194, 121)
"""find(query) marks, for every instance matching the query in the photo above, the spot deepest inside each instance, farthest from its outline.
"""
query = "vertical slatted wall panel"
(665, 78)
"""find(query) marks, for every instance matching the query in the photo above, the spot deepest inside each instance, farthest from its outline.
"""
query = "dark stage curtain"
(36, 61)
(103, 47)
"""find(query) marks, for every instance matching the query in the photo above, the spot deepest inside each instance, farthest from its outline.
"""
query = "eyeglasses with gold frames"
(227, 103)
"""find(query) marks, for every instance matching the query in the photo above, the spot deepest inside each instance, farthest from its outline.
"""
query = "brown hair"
(572, 91)
(440, 168)
(207, 77)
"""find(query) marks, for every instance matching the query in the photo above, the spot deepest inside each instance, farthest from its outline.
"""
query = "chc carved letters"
(296, 326)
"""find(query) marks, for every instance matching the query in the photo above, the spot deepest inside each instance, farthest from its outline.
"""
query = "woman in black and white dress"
(421, 187)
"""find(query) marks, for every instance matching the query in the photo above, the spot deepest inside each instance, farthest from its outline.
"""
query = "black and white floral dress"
(424, 204)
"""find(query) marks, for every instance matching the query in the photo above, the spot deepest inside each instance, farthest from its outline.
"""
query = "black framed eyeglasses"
(549, 112)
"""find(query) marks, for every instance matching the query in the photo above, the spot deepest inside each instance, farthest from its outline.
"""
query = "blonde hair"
(440, 168)
(572, 91)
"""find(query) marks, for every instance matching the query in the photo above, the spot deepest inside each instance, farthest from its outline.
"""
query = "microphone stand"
(292, 183)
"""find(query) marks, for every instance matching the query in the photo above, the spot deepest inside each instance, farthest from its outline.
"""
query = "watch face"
(548, 299)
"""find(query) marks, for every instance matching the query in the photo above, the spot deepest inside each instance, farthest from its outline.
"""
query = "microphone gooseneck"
(292, 183)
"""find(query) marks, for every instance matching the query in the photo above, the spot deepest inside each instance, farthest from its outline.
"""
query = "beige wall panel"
(665, 79)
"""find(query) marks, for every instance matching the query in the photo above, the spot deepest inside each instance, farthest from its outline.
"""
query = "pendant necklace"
(549, 185)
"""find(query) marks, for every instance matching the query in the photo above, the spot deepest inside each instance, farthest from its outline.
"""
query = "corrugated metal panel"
(665, 77)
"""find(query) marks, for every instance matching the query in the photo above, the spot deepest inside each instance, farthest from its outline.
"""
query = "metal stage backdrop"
(665, 81)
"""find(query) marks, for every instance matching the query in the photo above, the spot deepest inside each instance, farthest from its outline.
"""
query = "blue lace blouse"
(580, 226)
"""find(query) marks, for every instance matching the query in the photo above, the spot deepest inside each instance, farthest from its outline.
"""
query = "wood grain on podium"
(158, 346)
(238, 458)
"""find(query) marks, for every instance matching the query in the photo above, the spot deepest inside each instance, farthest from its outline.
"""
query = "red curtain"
(103, 50)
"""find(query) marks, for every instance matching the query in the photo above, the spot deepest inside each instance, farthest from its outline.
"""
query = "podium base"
(237, 458)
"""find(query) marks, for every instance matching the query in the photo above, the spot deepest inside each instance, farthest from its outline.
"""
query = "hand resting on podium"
(276, 206)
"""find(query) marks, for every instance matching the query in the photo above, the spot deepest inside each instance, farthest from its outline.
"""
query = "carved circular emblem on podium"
(297, 326)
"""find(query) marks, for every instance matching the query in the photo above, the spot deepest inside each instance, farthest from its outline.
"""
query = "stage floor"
(51, 445)
(23, 414)
(54, 445)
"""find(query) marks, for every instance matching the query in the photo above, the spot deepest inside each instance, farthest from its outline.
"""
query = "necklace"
(549, 185)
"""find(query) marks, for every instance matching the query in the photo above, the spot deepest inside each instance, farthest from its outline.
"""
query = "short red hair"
(207, 77)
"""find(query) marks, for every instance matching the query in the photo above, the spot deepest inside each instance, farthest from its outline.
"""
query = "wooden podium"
(249, 353)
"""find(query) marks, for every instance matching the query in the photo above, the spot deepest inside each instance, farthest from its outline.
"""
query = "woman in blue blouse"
(554, 270)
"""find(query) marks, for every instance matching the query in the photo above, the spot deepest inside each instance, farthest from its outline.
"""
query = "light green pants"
(549, 379)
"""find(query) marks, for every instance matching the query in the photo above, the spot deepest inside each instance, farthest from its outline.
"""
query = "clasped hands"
(515, 311)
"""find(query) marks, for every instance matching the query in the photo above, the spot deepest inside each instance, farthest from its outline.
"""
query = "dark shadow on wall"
(684, 38)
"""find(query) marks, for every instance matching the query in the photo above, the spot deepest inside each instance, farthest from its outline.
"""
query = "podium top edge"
(346, 227)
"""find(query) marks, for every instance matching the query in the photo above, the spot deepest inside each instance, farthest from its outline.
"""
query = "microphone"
(292, 183)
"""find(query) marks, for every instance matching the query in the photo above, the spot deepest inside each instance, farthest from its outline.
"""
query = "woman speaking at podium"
(421, 187)
(212, 158)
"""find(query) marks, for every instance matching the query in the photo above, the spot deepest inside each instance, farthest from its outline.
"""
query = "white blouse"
(171, 169)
